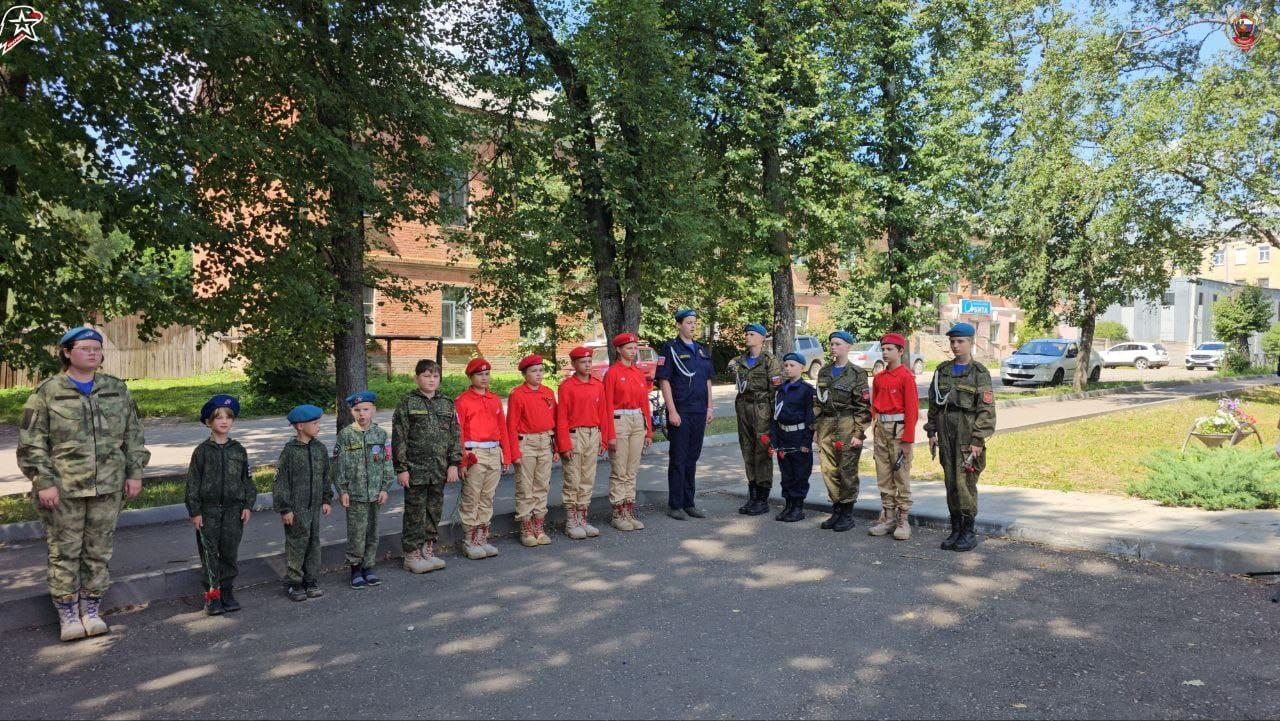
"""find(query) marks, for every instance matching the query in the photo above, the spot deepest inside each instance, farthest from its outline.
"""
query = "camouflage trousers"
(755, 455)
(962, 485)
(219, 542)
(362, 533)
(423, 504)
(81, 534)
(302, 548)
(839, 466)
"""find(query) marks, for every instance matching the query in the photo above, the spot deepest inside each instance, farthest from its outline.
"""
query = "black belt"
(521, 436)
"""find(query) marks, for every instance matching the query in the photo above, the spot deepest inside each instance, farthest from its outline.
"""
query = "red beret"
(476, 365)
(580, 352)
(894, 338)
(622, 339)
(529, 360)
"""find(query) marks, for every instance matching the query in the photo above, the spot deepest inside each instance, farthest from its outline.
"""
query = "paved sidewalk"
(171, 443)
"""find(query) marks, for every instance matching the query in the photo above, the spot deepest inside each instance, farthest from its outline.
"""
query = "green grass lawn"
(181, 398)
(1099, 455)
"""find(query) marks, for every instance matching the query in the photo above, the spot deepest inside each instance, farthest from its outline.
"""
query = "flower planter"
(1217, 440)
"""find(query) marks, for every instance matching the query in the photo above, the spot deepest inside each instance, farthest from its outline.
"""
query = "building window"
(1264, 254)
(1219, 257)
(1242, 256)
(1167, 300)
(995, 332)
(370, 308)
(802, 318)
(455, 314)
(1264, 282)
(455, 199)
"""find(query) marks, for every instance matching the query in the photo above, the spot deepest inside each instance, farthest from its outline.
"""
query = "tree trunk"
(1086, 344)
(15, 86)
(784, 292)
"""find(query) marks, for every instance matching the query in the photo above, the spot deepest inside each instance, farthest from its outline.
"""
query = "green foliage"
(1110, 330)
(1271, 342)
(1246, 370)
(1236, 317)
(1213, 479)
(1029, 331)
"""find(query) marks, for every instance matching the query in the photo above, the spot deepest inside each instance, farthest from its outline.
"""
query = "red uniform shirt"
(529, 411)
(582, 404)
(894, 391)
(482, 420)
(628, 387)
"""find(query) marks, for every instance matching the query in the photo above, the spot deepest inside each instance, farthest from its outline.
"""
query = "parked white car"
(867, 356)
(1206, 355)
(1138, 355)
(1047, 360)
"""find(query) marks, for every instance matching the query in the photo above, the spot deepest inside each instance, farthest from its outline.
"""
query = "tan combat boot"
(529, 532)
(884, 524)
(434, 562)
(89, 607)
(70, 627)
(415, 563)
(571, 527)
(543, 538)
(489, 548)
(587, 528)
(620, 520)
(902, 531)
(471, 547)
(636, 523)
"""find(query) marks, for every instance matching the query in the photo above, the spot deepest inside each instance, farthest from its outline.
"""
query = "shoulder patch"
(988, 397)
(776, 380)
(866, 394)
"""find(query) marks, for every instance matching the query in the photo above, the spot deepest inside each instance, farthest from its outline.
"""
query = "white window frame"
(452, 306)
(1264, 253)
(370, 308)
(802, 326)
(1242, 255)
(1219, 257)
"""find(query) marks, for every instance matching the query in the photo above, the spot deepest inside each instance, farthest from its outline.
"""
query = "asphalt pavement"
(731, 617)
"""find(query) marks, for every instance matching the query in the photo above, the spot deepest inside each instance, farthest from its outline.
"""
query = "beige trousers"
(895, 486)
(580, 469)
(480, 485)
(625, 461)
(533, 474)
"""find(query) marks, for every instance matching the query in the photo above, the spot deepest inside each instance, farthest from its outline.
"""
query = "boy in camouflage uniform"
(80, 444)
(303, 492)
(844, 412)
(757, 374)
(220, 496)
(363, 456)
(426, 450)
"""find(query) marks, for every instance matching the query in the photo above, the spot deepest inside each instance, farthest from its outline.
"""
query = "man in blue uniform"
(685, 379)
(793, 437)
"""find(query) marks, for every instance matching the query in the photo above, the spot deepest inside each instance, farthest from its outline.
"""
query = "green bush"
(1111, 331)
(1235, 361)
(1212, 478)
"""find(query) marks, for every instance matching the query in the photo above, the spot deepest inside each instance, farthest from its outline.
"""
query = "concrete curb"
(1158, 385)
(1224, 557)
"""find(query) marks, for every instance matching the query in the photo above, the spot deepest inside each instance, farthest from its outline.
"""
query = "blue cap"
(685, 313)
(222, 400)
(962, 330)
(83, 332)
(793, 357)
(755, 328)
(305, 413)
(362, 397)
(843, 335)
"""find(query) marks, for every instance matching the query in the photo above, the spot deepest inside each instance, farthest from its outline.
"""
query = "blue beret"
(843, 335)
(80, 333)
(222, 400)
(685, 313)
(362, 397)
(793, 357)
(962, 330)
(305, 413)
(755, 328)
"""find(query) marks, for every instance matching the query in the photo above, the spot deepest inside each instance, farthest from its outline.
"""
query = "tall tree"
(319, 125)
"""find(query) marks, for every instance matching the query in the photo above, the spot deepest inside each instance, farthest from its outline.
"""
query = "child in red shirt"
(896, 408)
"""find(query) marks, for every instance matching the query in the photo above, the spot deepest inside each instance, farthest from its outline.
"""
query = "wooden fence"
(173, 354)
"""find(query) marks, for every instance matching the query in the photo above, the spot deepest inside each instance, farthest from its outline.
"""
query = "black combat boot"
(967, 539)
(782, 515)
(760, 505)
(949, 543)
(845, 520)
(213, 606)
(229, 602)
(746, 507)
(830, 523)
(793, 511)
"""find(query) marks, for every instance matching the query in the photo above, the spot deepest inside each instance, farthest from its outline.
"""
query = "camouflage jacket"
(303, 477)
(757, 385)
(84, 445)
(847, 395)
(969, 393)
(426, 437)
(219, 477)
(363, 462)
